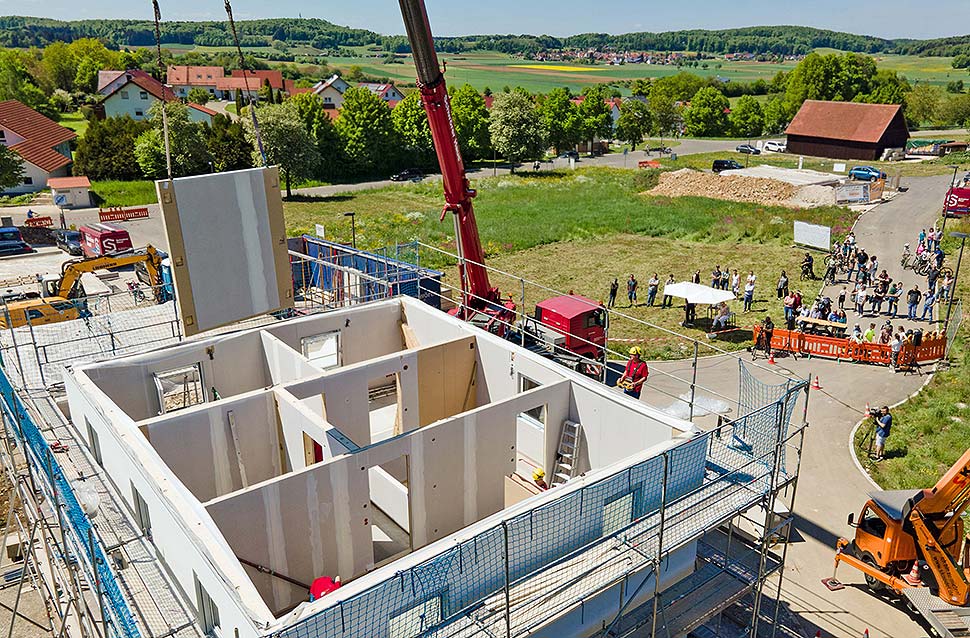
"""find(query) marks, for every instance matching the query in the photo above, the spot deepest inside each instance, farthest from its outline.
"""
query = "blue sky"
(885, 18)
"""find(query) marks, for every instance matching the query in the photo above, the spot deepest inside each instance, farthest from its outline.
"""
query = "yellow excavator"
(913, 543)
(59, 296)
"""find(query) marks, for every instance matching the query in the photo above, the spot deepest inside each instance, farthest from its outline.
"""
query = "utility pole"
(956, 275)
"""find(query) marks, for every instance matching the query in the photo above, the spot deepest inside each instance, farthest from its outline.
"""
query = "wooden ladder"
(567, 456)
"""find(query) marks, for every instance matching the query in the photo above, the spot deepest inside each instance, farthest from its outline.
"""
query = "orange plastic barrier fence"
(39, 222)
(848, 350)
(122, 214)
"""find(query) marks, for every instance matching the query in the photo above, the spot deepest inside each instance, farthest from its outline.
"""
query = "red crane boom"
(477, 292)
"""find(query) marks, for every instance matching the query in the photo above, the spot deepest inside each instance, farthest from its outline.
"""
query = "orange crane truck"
(913, 542)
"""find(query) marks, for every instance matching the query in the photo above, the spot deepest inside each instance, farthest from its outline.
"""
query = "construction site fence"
(82, 544)
(931, 348)
(953, 326)
(524, 571)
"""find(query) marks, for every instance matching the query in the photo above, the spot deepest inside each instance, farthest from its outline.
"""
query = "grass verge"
(702, 161)
(116, 193)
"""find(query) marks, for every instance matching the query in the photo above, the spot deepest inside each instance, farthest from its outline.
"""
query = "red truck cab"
(580, 320)
(104, 238)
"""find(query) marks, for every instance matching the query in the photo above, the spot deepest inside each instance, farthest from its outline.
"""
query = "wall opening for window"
(416, 620)
(383, 407)
(537, 415)
(207, 610)
(142, 516)
(322, 350)
(93, 443)
(124, 95)
(143, 95)
(179, 388)
(139, 113)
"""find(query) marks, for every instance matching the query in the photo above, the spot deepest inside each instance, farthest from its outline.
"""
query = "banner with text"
(958, 201)
(813, 235)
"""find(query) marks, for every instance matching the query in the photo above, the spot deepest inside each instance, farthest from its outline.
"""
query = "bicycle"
(905, 257)
(921, 265)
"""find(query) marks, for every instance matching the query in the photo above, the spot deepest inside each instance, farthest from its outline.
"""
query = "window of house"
(139, 113)
(28, 180)
(142, 516)
(143, 95)
(327, 99)
(3, 135)
(93, 442)
(124, 95)
(536, 415)
(207, 610)
(179, 388)
(323, 350)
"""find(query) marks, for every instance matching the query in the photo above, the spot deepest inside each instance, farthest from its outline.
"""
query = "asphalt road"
(830, 485)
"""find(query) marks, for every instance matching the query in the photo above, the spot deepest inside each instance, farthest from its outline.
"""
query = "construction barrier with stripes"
(931, 348)
(39, 222)
(122, 214)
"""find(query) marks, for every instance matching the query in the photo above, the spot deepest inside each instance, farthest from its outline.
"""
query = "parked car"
(725, 165)
(69, 241)
(866, 173)
(775, 147)
(747, 149)
(12, 243)
(569, 155)
(412, 174)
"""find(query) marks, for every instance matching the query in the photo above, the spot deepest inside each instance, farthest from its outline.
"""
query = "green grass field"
(74, 121)
(115, 193)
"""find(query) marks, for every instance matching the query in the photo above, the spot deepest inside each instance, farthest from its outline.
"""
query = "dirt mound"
(755, 190)
(37, 236)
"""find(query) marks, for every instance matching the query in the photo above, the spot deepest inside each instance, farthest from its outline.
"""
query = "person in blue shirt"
(884, 423)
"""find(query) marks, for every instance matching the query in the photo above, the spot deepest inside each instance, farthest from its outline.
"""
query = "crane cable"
(252, 100)
(158, 52)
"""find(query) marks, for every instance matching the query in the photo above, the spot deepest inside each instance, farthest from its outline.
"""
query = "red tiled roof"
(40, 135)
(240, 83)
(146, 82)
(69, 182)
(107, 77)
(194, 75)
(275, 77)
(204, 109)
(850, 121)
(488, 100)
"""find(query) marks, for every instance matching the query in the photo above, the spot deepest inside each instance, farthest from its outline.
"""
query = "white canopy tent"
(698, 293)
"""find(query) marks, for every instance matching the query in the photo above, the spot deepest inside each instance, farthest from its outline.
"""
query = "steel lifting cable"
(252, 101)
(158, 53)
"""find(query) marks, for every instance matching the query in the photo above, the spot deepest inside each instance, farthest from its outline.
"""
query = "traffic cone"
(913, 576)
(865, 634)
(868, 410)
(771, 358)
(815, 384)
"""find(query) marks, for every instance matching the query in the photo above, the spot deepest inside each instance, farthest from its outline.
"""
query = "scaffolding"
(102, 578)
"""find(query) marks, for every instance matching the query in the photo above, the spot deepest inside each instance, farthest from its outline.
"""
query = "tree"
(596, 114)
(775, 116)
(107, 149)
(11, 169)
(955, 86)
(924, 103)
(317, 122)
(411, 124)
(664, 110)
(265, 92)
(285, 141)
(17, 84)
(640, 87)
(228, 145)
(706, 116)
(59, 67)
(367, 133)
(470, 115)
(239, 102)
(560, 119)
(515, 127)
(635, 122)
(198, 95)
(187, 144)
(747, 118)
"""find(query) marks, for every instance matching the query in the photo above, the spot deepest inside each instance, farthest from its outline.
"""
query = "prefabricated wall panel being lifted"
(228, 246)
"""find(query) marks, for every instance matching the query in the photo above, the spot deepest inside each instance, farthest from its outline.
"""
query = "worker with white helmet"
(635, 374)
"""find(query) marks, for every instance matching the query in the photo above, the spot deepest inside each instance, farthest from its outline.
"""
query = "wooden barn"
(846, 130)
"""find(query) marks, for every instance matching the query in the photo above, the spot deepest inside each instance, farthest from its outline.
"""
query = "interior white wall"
(184, 536)
(297, 419)
(129, 383)
(198, 446)
(366, 332)
(283, 362)
(305, 525)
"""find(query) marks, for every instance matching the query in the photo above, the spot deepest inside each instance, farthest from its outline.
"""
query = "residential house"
(133, 94)
(183, 78)
(387, 92)
(200, 113)
(847, 130)
(331, 91)
(41, 143)
(107, 77)
(275, 78)
(227, 87)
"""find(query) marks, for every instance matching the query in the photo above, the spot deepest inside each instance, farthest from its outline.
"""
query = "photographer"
(883, 421)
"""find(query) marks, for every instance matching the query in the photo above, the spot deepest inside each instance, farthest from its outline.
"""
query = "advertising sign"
(852, 193)
(958, 201)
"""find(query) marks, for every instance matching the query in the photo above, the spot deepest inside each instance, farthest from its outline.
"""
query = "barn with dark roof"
(847, 130)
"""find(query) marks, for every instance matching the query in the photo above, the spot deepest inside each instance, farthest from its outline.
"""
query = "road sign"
(60, 200)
